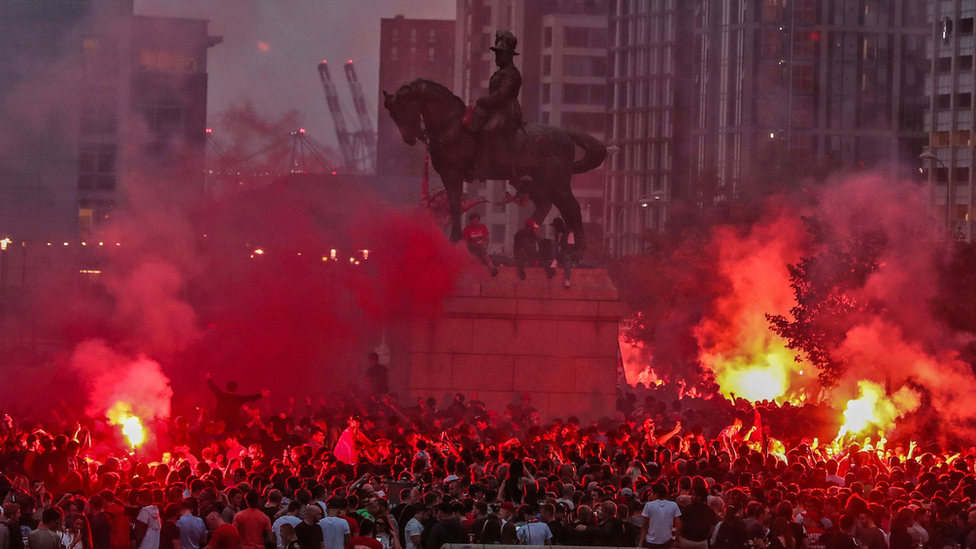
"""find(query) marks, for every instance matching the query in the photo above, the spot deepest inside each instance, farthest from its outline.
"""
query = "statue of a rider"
(500, 109)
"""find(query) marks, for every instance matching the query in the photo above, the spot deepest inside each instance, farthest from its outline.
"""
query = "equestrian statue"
(490, 141)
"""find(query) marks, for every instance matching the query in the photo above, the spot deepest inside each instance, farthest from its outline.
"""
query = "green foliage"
(826, 287)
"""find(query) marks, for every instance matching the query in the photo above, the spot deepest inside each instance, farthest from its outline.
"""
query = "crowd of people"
(667, 470)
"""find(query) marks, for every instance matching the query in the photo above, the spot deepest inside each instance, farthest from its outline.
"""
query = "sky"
(272, 48)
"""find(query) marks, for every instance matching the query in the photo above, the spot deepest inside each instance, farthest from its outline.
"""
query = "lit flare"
(874, 408)
(120, 414)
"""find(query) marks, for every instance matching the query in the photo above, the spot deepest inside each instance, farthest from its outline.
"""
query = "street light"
(656, 199)
(3, 264)
(929, 156)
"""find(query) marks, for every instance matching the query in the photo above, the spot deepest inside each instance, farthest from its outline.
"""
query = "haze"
(271, 50)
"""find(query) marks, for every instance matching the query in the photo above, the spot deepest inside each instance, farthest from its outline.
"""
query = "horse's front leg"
(453, 185)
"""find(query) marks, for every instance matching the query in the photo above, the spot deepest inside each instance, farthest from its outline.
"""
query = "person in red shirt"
(253, 525)
(476, 237)
(225, 536)
(365, 539)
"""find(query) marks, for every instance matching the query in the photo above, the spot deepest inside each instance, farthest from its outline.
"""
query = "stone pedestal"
(501, 337)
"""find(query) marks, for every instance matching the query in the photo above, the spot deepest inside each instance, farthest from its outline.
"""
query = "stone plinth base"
(500, 337)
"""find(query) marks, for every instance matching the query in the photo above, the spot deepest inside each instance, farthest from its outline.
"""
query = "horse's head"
(405, 112)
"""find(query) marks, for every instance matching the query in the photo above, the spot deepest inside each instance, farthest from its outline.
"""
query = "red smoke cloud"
(110, 378)
(900, 341)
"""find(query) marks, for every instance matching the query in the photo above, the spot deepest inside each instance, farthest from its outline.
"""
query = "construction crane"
(342, 133)
(365, 138)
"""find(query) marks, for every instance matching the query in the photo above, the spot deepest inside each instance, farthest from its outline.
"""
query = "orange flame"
(874, 408)
(120, 414)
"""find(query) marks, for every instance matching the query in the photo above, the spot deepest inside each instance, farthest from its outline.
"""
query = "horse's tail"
(594, 152)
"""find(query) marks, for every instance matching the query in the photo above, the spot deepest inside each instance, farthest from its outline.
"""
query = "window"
(771, 75)
(575, 94)
(547, 37)
(960, 138)
(598, 94)
(486, 16)
(430, 54)
(576, 37)
(593, 122)
(964, 63)
(805, 11)
(803, 78)
(92, 213)
(96, 167)
(870, 47)
(485, 41)
(773, 10)
(584, 65)
(772, 43)
(393, 53)
(433, 36)
(964, 100)
(166, 121)
(546, 65)
(598, 38)
(944, 64)
(599, 65)
(803, 44)
(966, 26)
(803, 111)
(940, 139)
(169, 61)
(546, 94)
(942, 101)
(394, 35)
(413, 34)
(99, 112)
(962, 174)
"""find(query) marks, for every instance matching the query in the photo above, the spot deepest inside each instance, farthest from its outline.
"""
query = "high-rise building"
(650, 88)
(563, 60)
(95, 100)
(409, 49)
(949, 120)
(772, 92)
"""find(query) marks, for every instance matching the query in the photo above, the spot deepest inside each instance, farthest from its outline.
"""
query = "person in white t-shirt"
(533, 532)
(290, 517)
(661, 527)
(415, 528)
(335, 531)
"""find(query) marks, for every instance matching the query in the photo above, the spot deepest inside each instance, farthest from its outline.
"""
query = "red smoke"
(902, 344)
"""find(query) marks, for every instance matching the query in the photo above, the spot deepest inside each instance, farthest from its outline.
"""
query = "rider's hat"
(505, 41)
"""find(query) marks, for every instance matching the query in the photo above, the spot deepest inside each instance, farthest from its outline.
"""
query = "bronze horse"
(428, 111)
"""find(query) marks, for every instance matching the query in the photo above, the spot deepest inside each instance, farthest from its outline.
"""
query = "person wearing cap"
(504, 114)
(475, 236)
(526, 247)
(509, 526)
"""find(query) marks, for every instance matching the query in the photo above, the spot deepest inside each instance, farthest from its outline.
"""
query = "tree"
(826, 289)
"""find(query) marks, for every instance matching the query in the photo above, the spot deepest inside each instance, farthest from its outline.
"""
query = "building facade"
(409, 49)
(650, 84)
(96, 103)
(776, 90)
(563, 59)
(949, 119)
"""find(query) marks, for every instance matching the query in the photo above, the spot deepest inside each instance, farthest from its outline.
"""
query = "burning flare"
(120, 414)
(874, 408)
